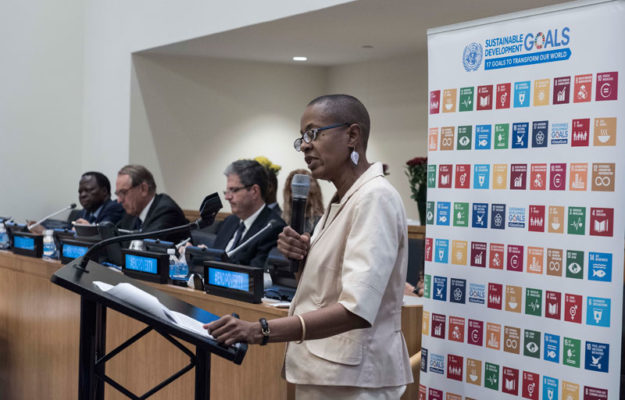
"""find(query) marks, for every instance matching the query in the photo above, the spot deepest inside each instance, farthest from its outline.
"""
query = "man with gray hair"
(146, 210)
(246, 186)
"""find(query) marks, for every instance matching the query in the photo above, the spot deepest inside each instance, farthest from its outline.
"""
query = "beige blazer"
(358, 258)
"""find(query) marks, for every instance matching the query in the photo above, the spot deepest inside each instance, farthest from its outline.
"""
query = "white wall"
(395, 93)
(191, 117)
(117, 28)
(70, 85)
(41, 85)
(65, 81)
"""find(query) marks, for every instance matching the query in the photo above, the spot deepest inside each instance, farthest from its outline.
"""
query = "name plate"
(73, 248)
(28, 244)
(239, 282)
(146, 265)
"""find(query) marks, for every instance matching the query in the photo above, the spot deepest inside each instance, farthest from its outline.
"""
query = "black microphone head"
(107, 229)
(209, 208)
(300, 186)
(72, 206)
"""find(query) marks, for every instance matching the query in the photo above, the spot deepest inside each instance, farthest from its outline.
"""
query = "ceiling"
(336, 35)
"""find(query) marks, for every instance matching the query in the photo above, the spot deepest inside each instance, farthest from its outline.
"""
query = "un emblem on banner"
(472, 56)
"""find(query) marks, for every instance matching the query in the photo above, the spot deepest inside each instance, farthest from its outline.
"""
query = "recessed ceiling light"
(300, 58)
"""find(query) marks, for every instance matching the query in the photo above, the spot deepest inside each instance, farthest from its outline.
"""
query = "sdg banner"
(525, 220)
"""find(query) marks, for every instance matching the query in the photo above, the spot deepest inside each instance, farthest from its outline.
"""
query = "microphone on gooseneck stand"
(70, 207)
(208, 211)
(300, 186)
(261, 234)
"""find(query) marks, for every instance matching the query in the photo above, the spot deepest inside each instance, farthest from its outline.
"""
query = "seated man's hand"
(183, 249)
(38, 230)
(410, 290)
(81, 221)
(292, 244)
(420, 290)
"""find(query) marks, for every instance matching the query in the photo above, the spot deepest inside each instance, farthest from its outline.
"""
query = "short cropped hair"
(100, 179)
(250, 172)
(346, 108)
(139, 174)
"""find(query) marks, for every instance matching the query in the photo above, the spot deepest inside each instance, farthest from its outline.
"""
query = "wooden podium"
(93, 306)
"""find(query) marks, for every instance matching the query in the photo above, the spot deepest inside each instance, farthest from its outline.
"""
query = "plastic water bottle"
(49, 247)
(174, 265)
(183, 268)
(177, 269)
(4, 238)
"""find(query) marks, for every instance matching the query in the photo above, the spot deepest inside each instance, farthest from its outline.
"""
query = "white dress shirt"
(146, 209)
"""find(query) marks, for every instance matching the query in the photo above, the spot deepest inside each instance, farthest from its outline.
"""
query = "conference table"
(39, 336)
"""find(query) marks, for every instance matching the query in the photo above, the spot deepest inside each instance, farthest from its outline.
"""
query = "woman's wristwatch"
(264, 328)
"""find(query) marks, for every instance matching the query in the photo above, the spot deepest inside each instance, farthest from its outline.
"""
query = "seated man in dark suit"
(146, 210)
(94, 194)
(245, 190)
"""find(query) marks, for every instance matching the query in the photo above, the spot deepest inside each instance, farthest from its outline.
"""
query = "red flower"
(417, 161)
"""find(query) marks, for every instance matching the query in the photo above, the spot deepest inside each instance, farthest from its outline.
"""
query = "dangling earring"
(354, 156)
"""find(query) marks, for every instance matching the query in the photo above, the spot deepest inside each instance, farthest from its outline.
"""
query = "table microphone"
(260, 234)
(300, 186)
(70, 207)
(208, 211)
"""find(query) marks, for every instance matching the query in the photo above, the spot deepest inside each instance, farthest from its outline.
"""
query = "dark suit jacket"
(164, 213)
(256, 253)
(275, 207)
(111, 211)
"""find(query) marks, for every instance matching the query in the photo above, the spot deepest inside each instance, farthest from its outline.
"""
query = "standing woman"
(344, 324)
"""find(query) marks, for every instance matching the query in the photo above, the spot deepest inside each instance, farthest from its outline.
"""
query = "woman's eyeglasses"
(311, 134)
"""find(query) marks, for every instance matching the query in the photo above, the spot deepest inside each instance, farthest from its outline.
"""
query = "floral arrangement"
(265, 162)
(416, 171)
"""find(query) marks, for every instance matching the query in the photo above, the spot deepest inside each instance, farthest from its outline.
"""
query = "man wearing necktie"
(246, 185)
(94, 194)
(145, 209)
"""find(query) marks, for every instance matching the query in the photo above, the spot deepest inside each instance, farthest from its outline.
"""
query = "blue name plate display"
(146, 265)
(228, 279)
(239, 282)
(141, 264)
(27, 244)
(24, 243)
(72, 251)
